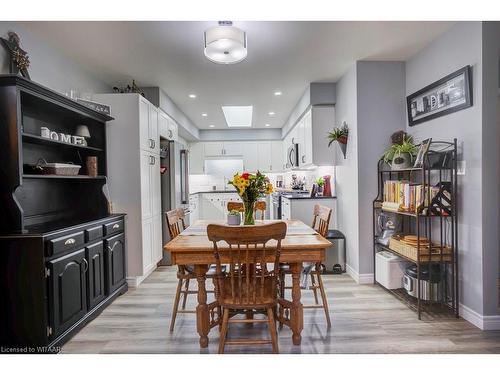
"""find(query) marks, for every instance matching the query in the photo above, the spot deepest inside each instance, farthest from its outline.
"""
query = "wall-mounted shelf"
(36, 139)
(54, 176)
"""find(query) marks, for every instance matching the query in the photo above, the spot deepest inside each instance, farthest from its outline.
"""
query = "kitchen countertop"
(304, 196)
(214, 191)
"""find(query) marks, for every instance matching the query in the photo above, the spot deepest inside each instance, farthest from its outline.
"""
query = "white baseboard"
(363, 278)
(135, 281)
(484, 322)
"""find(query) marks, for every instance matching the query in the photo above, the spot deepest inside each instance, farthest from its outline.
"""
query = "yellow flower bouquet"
(250, 187)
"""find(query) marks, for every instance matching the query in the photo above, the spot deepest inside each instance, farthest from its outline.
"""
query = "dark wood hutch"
(62, 254)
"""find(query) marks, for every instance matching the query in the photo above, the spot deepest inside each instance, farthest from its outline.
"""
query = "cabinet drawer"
(93, 233)
(60, 244)
(113, 227)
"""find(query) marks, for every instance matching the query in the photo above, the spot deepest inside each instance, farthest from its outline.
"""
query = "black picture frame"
(441, 99)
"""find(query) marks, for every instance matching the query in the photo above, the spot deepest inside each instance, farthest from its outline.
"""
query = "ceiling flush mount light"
(225, 44)
(277, 93)
(192, 96)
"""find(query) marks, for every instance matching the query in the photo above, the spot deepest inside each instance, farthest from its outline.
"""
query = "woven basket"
(410, 252)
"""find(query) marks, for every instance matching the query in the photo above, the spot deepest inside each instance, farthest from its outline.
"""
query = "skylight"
(238, 116)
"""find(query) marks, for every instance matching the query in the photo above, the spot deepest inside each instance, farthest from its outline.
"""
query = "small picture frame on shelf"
(424, 147)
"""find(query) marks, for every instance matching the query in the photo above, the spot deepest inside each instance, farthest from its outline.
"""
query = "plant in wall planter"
(340, 135)
(401, 153)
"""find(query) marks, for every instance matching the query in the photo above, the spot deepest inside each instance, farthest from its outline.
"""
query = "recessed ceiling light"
(238, 116)
(267, 125)
(204, 114)
(211, 126)
(277, 93)
(192, 96)
(271, 113)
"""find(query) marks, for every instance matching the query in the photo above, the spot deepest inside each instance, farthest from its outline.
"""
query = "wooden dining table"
(192, 247)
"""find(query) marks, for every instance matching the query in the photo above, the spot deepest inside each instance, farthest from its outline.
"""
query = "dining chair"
(321, 221)
(248, 285)
(176, 224)
(235, 206)
(260, 206)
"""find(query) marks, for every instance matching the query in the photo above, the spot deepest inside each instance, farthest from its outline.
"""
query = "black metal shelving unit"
(439, 165)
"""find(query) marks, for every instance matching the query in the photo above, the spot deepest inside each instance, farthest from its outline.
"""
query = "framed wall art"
(450, 94)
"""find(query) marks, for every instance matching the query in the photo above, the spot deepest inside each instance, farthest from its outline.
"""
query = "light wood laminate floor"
(366, 319)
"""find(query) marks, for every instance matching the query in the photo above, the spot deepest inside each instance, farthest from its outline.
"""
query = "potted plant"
(341, 136)
(320, 182)
(400, 155)
(234, 217)
(250, 187)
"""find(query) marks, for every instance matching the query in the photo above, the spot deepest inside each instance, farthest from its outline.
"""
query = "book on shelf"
(402, 195)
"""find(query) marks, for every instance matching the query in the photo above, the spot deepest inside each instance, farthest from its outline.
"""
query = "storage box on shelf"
(63, 255)
(425, 201)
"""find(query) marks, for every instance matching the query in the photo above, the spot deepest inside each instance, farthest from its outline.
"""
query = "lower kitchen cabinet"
(67, 290)
(96, 271)
(115, 262)
(53, 282)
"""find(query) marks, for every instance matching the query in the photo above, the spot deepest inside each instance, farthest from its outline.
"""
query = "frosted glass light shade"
(225, 45)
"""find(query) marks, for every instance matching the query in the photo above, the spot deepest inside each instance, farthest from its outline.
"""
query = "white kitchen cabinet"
(146, 181)
(307, 150)
(148, 126)
(147, 244)
(276, 156)
(263, 154)
(232, 148)
(250, 157)
(134, 177)
(286, 213)
(163, 124)
(196, 158)
(194, 207)
(172, 130)
(213, 149)
(213, 206)
(157, 250)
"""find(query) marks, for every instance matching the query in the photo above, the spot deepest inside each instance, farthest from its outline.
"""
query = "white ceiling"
(283, 56)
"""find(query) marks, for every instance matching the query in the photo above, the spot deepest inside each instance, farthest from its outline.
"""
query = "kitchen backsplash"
(205, 182)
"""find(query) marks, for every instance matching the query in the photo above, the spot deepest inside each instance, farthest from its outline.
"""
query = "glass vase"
(248, 216)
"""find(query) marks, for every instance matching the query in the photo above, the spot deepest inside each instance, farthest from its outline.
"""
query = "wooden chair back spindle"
(321, 219)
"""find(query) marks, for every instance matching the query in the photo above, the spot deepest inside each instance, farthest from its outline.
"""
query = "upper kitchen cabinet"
(148, 129)
(217, 149)
(167, 126)
(196, 158)
(308, 126)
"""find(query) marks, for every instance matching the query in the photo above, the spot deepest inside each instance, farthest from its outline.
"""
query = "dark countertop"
(304, 196)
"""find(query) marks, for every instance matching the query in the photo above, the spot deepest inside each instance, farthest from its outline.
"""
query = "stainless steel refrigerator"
(174, 170)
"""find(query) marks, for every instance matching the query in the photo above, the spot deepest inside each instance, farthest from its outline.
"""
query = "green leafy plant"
(320, 181)
(406, 147)
(339, 134)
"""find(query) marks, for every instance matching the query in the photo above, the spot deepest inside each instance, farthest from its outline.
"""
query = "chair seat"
(265, 295)
(212, 270)
(334, 234)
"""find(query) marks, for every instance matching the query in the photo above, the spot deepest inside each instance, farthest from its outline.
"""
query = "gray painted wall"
(476, 128)
(381, 112)
(240, 135)
(371, 100)
(346, 169)
(48, 66)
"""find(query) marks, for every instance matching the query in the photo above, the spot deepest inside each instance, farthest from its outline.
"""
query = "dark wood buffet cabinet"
(62, 254)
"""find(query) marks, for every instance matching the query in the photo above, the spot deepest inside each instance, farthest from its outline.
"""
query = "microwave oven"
(293, 156)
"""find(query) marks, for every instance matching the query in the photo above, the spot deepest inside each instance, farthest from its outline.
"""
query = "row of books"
(405, 196)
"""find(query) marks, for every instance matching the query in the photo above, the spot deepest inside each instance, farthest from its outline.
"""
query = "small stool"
(334, 234)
